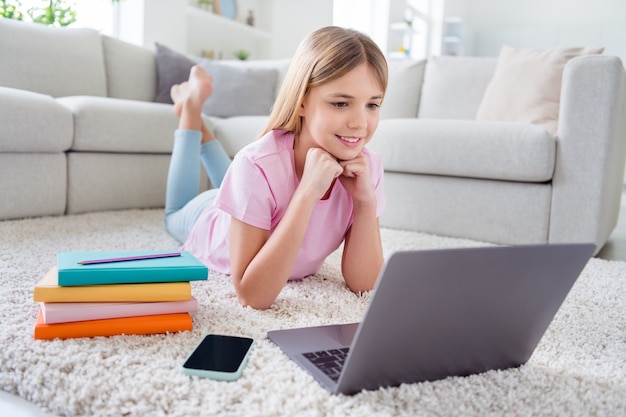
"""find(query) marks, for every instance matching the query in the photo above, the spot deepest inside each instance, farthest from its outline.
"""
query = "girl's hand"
(362, 252)
(356, 179)
(320, 170)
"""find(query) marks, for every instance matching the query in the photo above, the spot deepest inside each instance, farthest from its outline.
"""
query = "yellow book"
(48, 290)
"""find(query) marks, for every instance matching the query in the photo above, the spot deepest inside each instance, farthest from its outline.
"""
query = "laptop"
(440, 313)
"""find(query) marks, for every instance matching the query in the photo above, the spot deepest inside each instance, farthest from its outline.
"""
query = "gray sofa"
(80, 132)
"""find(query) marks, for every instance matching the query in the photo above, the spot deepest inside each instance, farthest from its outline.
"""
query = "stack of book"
(91, 294)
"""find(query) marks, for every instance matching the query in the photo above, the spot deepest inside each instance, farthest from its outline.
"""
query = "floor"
(615, 248)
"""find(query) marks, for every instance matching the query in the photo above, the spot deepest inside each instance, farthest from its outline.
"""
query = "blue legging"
(183, 204)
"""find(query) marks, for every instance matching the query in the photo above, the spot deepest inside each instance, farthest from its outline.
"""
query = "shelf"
(236, 25)
(452, 36)
(397, 55)
(402, 26)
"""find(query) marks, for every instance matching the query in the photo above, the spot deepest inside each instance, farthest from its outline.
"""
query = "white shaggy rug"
(578, 369)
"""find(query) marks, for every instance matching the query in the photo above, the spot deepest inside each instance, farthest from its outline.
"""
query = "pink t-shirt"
(257, 189)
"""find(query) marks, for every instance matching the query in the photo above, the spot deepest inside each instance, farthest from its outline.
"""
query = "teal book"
(91, 268)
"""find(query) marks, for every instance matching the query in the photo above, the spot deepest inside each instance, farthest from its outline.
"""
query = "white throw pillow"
(526, 85)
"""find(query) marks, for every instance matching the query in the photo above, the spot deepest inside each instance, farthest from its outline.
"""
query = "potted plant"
(241, 54)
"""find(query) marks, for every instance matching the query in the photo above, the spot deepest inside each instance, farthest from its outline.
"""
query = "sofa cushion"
(454, 86)
(526, 85)
(112, 181)
(130, 70)
(464, 148)
(504, 212)
(116, 125)
(239, 90)
(33, 184)
(403, 90)
(74, 63)
(172, 68)
(280, 65)
(236, 132)
(50, 131)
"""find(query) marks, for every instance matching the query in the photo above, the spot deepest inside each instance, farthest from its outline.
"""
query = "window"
(402, 28)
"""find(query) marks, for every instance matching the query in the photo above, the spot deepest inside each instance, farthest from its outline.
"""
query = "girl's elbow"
(361, 281)
(248, 298)
(361, 287)
(247, 301)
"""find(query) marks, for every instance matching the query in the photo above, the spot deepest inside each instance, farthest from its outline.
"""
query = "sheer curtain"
(368, 16)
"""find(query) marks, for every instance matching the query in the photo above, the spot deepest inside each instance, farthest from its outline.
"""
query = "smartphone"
(219, 357)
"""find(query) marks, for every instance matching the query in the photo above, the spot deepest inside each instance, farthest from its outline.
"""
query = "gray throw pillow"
(239, 89)
(172, 68)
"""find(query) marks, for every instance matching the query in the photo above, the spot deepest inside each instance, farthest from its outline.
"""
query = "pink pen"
(130, 258)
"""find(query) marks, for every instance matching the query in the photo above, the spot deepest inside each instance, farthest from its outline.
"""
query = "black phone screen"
(219, 353)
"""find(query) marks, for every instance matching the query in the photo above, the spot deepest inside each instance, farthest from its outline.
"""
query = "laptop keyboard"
(329, 361)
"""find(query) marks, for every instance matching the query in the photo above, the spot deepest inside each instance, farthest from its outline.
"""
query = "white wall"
(144, 22)
(163, 19)
(280, 26)
(293, 20)
(541, 24)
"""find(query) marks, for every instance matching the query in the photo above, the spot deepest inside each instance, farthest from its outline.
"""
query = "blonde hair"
(325, 55)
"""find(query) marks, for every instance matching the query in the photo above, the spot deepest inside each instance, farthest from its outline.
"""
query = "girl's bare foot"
(176, 93)
(189, 97)
(193, 92)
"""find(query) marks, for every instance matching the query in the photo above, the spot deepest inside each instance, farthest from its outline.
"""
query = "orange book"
(161, 323)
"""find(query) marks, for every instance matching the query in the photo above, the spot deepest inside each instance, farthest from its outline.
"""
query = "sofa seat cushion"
(117, 125)
(49, 60)
(507, 151)
(33, 122)
(114, 181)
(236, 132)
(33, 184)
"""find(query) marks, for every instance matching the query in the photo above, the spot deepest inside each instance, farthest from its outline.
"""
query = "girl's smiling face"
(341, 116)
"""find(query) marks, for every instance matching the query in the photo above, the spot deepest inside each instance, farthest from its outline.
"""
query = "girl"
(308, 184)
